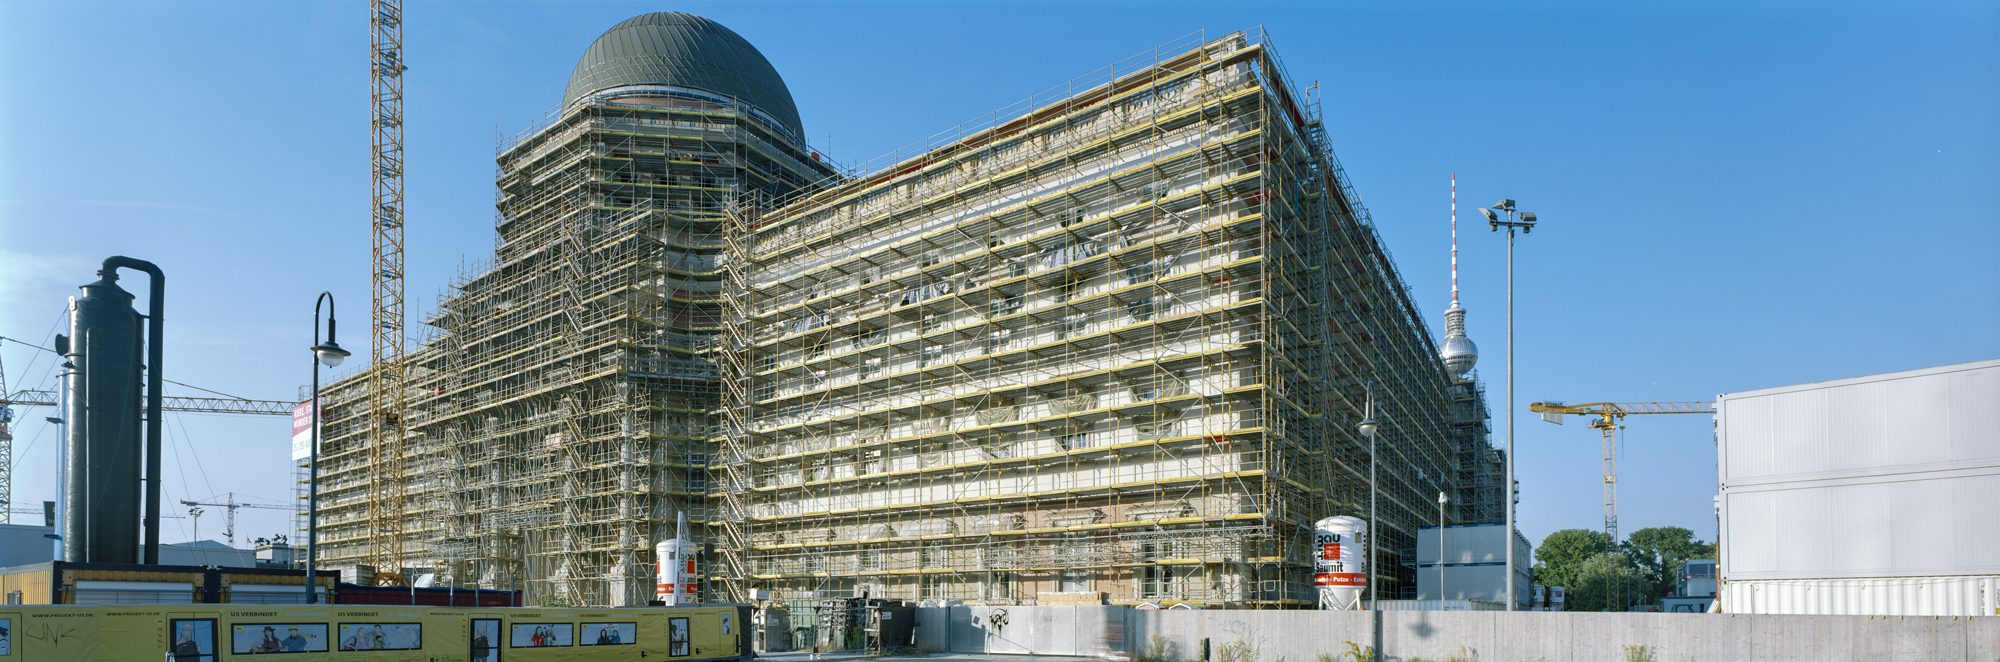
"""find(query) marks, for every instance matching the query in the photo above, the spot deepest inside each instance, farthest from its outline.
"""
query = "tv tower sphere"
(1458, 352)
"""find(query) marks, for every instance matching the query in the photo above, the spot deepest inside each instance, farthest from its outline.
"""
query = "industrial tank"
(102, 500)
(1340, 565)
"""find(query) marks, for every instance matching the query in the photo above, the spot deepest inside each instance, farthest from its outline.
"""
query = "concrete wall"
(1057, 630)
(1302, 636)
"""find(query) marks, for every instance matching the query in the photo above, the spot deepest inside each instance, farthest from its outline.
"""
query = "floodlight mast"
(1526, 223)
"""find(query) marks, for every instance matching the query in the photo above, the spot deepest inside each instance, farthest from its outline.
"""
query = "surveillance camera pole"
(1526, 223)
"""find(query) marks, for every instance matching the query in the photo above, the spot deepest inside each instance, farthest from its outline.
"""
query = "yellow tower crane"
(386, 379)
(1608, 416)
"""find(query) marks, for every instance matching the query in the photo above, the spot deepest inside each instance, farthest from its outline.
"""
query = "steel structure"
(41, 398)
(387, 379)
(1609, 415)
(1113, 342)
(1124, 326)
(230, 505)
(561, 404)
(7, 446)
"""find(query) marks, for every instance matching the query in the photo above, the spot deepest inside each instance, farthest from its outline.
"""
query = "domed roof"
(683, 50)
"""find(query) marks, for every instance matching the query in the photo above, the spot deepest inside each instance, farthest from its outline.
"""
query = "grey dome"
(683, 50)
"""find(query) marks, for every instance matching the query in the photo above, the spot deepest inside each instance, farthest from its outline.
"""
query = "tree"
(1563, 554)
(1656, 555)
(1590, 590)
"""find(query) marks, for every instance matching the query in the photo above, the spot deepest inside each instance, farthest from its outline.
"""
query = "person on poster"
(185, 647)
(294, 642)
(269, 643)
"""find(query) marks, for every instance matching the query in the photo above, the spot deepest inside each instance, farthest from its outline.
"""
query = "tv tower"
(1458, 352)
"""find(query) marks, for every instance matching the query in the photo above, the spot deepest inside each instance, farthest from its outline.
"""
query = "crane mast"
(1609, 415)
(386, 379)
(231, 504)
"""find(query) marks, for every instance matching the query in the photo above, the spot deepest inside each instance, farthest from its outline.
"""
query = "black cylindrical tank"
(102, 495)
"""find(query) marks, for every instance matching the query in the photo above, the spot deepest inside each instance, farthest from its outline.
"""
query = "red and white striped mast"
(1457, 351)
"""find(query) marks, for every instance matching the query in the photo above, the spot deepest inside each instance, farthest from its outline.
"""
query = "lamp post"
(1441, 501)
(1526, 222)
(331, 354)
(1368, 427)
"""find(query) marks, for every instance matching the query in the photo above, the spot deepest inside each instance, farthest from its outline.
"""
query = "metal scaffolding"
(559, 410)
(1115, 344)
(1112, 340)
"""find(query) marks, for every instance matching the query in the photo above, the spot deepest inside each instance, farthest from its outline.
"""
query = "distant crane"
(39, 398)
(1608, 416)
(229, 526)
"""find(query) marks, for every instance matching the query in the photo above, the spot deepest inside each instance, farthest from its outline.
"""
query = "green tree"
(1656, 554)
(1590, 590)
(1562, 555)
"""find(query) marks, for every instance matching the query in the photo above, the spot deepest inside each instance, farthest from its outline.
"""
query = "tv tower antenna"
(1458, 352)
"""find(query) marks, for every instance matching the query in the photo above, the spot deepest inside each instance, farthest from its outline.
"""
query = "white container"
(1475, 564)
(1884, 476)
(1340, 564)
(1895, 596)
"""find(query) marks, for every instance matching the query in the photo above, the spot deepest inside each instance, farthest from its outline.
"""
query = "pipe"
(156, 307)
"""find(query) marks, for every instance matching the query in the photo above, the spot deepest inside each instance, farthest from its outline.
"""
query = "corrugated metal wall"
(1893, 475)
(1899, 596)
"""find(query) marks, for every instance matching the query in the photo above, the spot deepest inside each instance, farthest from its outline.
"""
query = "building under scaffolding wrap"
(1114, 340)
(559, 413)
(1116, 344)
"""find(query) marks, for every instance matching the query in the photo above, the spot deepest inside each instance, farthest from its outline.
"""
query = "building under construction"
(559, 412)
(1114, 341)
(1114, 345)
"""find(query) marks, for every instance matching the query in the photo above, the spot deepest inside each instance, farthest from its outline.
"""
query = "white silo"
(675, 582)
(1340, 562)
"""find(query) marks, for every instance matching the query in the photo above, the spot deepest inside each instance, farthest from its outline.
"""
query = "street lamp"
(1441, 501)
(1526, 222)
(331, 354)
(1368, 428)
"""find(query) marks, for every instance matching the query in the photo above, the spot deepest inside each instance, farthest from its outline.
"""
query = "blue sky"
(1733, 195)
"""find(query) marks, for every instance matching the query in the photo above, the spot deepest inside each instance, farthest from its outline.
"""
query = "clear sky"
(1733, 195)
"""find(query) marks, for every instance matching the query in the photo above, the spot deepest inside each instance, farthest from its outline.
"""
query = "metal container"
(1895, 596)
(1442, 605)
(1882, 476)
(1475, 565)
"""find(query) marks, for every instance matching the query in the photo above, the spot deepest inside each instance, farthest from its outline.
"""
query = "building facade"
(1111, 346)
(559, 408)
(1116, 346)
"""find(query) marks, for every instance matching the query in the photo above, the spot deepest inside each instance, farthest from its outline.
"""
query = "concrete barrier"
(1303, 636)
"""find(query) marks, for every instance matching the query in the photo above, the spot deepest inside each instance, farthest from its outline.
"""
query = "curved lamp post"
(331, 354)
